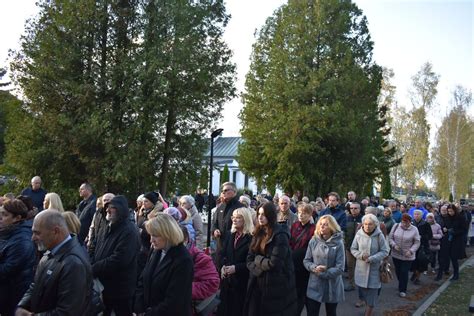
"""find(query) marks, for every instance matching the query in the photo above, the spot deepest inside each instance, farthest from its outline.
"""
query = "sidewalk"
(390, 303)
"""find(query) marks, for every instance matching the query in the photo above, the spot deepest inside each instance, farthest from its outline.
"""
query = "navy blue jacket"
(37, 196)
(338, 213)
(17, 259)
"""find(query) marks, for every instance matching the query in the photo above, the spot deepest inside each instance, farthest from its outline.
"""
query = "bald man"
(63, 279)
(36, 192)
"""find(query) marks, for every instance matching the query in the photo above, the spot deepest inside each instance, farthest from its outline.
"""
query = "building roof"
(225, 147)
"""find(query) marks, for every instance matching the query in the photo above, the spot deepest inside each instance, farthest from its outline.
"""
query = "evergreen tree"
(119, 93)
(311, 121)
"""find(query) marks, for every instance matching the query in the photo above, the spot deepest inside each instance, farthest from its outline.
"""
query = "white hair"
(372, 218)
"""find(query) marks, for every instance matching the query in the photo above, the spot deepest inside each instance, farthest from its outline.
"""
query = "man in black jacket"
(115, 258)
(222, 222)
(85, 210)
(63, 280)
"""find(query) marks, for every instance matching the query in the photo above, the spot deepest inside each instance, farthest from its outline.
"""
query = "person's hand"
(445, 229)
(223, 273)
(408, 253)
(396, 247)
(217, 233)
(229, 270)
(365, 257)
(22, 312)
(320, 269)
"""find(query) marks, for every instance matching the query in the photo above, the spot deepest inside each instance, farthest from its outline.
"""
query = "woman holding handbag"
(369, 248)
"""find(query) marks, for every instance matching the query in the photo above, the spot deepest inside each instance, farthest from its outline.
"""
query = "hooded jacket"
(327, 287)
(367, 275)
(115, 258)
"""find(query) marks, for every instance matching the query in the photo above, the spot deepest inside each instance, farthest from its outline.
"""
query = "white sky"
(406, 33)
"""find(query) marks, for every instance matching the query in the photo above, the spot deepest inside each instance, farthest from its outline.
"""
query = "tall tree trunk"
(170, 122)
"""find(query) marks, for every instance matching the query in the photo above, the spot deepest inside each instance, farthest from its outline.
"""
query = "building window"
(246, 181)
(234, 176)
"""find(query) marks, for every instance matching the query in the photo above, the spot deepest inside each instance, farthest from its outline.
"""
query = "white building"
(225, 153)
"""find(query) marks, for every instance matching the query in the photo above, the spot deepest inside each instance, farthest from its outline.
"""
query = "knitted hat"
(406, 217)
(173, 212)
(152, 197)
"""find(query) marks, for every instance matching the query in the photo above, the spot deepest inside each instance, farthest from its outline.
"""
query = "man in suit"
(63, 279)
(85, 210)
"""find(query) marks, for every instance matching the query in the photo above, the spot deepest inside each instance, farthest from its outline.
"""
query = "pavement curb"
(427, 303)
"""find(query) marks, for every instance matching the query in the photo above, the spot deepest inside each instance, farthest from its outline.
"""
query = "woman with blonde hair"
(234, 272)
(325, 261)
(52, 201)
(72, 221)
(165, 286)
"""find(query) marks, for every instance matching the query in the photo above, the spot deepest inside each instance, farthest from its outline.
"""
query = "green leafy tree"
(311, 119)
(187, 76)
(452, 154)
(119, 93)
(416, 139)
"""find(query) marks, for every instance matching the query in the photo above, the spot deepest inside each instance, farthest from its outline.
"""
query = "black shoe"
(454, 278)
(438, 278)
(446, 272)
(413, 277)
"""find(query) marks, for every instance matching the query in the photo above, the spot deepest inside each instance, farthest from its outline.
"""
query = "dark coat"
(426, 234)
(115, 256)
(234, 287)
(36, 195)
(223, 218)
(165, 287)
(271, 289)
(62, 284)
(339, 213)
(457, 228)
(85, 211)
(17, 259)
(100, 226)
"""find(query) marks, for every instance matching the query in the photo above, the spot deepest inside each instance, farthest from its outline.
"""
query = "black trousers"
(121, 306)
(313, 307)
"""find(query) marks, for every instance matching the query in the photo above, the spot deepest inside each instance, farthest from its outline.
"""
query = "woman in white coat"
(369, 248)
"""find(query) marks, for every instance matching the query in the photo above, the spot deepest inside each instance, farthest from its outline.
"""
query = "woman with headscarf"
(187, 202)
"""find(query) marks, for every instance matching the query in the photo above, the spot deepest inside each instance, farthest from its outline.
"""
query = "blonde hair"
(305, 208)
(54, 202)
(72, 221)
(332, 223)
(248, 221)
(165, 226)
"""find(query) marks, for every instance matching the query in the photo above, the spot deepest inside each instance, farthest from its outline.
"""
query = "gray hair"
(245, 200)
(188, 199)
(371, 210)
(418, 211)
(372, 218)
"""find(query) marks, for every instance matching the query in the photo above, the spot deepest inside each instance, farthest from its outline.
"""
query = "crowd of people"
(274, 255)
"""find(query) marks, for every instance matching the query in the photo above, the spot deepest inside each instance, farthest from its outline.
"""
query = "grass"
(456, 298)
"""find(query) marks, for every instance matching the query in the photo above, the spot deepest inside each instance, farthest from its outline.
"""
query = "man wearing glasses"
(222, 221)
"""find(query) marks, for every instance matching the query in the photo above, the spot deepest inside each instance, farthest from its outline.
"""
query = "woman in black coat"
(165, 285)
(271, 289)
(421, 261)
(234, 272)
(17, 255)
(456, 229)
